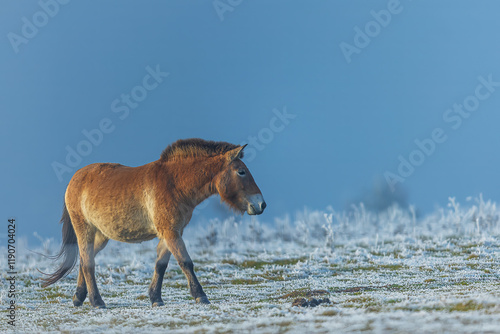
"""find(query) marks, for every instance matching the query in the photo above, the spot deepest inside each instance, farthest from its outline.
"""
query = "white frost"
(385, 272)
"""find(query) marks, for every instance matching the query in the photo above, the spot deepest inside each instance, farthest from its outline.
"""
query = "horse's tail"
(69, 251)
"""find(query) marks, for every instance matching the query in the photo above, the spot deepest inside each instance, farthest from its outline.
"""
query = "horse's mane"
(195, 147)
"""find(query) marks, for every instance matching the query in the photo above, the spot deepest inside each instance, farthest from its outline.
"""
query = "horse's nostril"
(263, 205)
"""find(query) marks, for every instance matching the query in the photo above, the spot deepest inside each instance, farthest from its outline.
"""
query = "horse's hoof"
(77, 302)
(202, 300)
(156, 304)
(97, 302)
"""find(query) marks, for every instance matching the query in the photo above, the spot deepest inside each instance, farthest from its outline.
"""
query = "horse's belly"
(131, 227)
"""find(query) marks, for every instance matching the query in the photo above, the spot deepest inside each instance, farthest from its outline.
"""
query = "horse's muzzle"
(256, 204)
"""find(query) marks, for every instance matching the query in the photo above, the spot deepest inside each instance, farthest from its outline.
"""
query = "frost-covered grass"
(386, 272)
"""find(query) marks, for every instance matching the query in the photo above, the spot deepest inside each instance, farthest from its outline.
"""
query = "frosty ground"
(383, 272)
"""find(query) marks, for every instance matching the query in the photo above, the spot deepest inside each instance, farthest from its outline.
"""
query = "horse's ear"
(236, 153)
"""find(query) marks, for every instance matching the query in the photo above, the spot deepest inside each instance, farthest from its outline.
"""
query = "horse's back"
(115, 199)
(97, 177)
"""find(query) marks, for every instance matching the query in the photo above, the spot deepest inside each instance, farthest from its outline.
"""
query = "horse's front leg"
(163, 256)
(177, 247)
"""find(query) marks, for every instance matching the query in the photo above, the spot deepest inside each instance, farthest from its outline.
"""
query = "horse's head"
(236, 185)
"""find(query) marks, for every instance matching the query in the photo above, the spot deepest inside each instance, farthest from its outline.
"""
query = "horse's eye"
(241, 172)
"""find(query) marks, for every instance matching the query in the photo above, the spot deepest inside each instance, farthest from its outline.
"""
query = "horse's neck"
(196, 178)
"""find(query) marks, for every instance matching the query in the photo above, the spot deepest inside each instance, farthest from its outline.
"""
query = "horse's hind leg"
(100, 242)
(81, 289)
(163, 256)
(86, 235)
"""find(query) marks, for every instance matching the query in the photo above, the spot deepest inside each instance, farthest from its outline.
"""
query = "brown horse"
(133, 204)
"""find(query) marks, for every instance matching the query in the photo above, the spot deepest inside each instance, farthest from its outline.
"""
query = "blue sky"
(230, 73)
